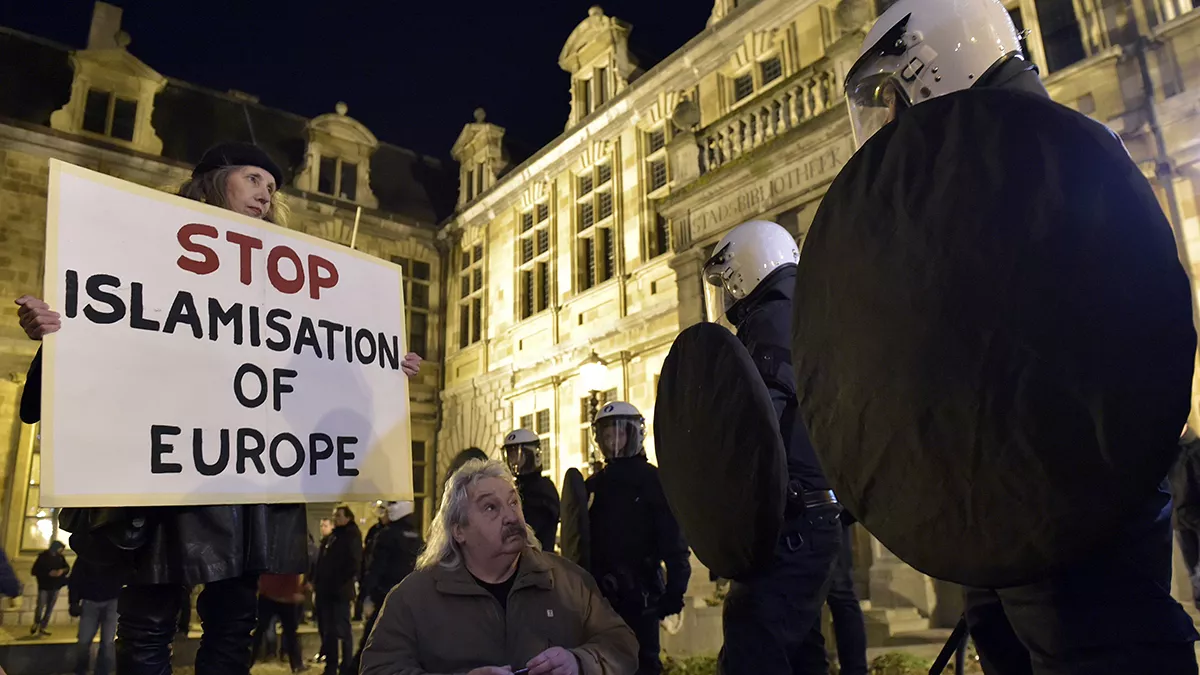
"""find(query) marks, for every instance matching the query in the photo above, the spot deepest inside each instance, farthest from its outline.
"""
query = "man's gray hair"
(442, 549)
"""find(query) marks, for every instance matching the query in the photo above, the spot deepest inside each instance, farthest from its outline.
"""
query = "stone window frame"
(422, 467)
(589, 188)
(413, 279)
(472, 284)
(594, 89)
(110, 115)
(777, 60)
(585, 422)
(339, 138)
(541, 422)
(339, 173)
(748, 62)
(122, 76)
(656, 230)
(534, 259)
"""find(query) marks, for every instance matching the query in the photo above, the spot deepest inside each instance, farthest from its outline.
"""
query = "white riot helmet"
(922, 49)
(619, 430)
(523, 452)
(742, 260)
(398, 510)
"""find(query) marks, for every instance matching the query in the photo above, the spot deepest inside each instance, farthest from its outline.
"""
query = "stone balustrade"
(802, 97)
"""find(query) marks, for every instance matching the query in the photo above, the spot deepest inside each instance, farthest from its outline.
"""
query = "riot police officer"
(634, 533)
(771, 616)
(1094, 598)
(539, 498)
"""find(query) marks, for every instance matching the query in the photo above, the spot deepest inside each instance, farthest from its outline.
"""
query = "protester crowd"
(484, 592)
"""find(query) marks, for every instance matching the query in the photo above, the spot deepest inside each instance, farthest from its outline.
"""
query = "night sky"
(411, 70)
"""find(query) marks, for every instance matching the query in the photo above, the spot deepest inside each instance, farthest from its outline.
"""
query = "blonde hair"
(442, 549)
(209, 187)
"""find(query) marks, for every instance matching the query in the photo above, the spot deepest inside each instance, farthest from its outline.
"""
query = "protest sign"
(206, 357)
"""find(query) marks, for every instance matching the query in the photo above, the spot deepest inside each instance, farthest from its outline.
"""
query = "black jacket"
(97, 584)
(764, 325)
(369, 547)
(634, 533)
(186, 544)
(46, 563)
(395, 555)
(540, 504)
(338, 563)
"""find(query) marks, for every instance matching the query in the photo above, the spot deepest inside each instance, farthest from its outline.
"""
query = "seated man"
(485, 599)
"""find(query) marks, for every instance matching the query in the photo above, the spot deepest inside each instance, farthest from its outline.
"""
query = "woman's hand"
(411, 364)
(36, 317)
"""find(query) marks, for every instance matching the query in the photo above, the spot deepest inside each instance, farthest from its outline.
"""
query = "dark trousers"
(368, 626)
(149, 618)
(102, 617)
(268, 610)
(1189, 546)
(769, 617)
(335, 630)
(185, 609)
(645, 628)
(1112, 613)
(849, 627)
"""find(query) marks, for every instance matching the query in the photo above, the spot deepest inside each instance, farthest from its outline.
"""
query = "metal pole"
(960, 657)
(957, 641)
(354, 234)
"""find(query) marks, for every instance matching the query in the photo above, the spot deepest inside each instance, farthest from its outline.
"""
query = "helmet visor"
(874, 98)
(717, 298)
(873, 92)
(618, 437)
(521, 459)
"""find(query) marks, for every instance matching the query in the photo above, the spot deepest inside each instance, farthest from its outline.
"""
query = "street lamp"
(592, 373)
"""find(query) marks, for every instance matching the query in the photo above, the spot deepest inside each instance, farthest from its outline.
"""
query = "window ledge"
(536, 315)
(597, 288)
(468, 349)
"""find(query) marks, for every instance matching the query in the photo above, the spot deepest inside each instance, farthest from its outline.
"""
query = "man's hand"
(491, 670)
(670, 606)
(36, 317)
(56, 573)
(554, 661)
(411, 365)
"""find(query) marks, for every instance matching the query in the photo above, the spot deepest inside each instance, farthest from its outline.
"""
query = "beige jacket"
(441, 621)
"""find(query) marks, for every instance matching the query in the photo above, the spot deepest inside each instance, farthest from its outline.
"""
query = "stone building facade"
(101, 108)
(591, 250)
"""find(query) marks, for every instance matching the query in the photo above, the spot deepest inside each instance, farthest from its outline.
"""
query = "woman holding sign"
(160, 549)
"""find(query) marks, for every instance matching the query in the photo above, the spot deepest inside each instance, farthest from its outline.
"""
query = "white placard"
(151, 393)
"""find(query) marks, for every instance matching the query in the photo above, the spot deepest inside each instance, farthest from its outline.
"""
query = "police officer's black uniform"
(771, 618)
(540, 504)
(633, 535)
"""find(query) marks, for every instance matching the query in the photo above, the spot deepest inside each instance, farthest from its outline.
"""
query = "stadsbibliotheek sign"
(775, 188)
(210, 358)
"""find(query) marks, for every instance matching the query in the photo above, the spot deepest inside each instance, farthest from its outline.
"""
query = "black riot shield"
(576, 539)
(720, 455)
(993, 337)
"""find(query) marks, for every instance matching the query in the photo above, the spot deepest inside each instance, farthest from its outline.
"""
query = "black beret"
(237, 154)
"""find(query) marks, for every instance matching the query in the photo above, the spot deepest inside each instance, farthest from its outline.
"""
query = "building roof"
(36, 77)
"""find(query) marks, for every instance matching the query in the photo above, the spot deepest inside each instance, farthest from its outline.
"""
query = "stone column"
(901, 598)
(689, 285)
